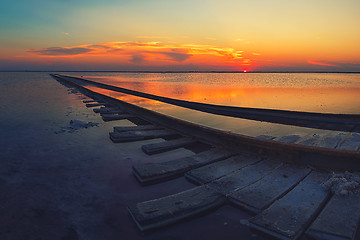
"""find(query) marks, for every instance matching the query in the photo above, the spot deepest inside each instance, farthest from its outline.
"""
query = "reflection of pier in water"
(283, 184)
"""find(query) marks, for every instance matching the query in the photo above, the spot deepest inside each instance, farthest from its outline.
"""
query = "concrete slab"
(288, 139)
(291, 215)
(260, 195)
(131, 136)
(137, 128)
(244, 177)
(114, 117)
(352, 143)
(111, 110)
(155, 172)
(267, 137)
(89, 105)
(330, 141)
(96, 110)
(168, 210)
(311, 141)
(155, 148)
(339, 220)
(89, 101)
(219, 169)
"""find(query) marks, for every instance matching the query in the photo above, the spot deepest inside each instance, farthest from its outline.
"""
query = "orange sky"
(185, 35)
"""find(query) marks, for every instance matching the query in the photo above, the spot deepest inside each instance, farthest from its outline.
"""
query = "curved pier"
(338, 122)
(290, 189)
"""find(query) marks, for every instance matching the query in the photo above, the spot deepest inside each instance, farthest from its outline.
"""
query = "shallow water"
(331, 93)
(77, 184)
(312, 92)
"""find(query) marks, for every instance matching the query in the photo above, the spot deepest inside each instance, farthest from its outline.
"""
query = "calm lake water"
(315, 92)
(311, 92)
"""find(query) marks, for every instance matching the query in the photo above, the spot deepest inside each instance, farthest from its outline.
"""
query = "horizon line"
(170, 71)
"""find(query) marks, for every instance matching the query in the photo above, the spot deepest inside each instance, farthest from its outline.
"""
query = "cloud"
(242, 40)
(137, 59)
(321, 63)
(177, 55)
(60, 51)
(148, 53)
(256, 54)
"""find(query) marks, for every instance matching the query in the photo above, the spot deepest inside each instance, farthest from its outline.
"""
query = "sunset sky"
(166, 35)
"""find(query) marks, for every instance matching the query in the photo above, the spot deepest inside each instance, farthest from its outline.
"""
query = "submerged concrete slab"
(290, 216)
(89, 105)
(90, 101)
(260, 195)
(137, 128)
(110, 110)
(131, 136)
(168, 210)
(114, 117)
(339, 220)
(244, 177)
(96, 110)
(154, 172)
(155, 148)
(219, 169)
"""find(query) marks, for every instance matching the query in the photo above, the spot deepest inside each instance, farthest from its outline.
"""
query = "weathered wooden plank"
(114, 117)
(244, 177)
(155, 148)
(154, 172)
(89, 105)
(290, 216)
(137, 128)
(260, 195)
(219, 169)
(168, 210)
(131, 136)
(339, 220)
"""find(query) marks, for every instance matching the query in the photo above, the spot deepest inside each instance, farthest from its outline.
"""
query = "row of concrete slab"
(288, 201)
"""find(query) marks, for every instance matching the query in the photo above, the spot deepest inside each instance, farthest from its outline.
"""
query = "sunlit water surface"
(311, 92)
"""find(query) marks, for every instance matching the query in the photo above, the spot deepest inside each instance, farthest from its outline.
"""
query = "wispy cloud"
(321, 63)
(61, 51)
(242, 40)
(150, 53)
(137, 59)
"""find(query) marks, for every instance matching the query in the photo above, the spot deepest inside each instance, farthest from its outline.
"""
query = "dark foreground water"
(60, 181)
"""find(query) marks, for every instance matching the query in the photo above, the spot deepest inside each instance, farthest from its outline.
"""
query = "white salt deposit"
(343, 184)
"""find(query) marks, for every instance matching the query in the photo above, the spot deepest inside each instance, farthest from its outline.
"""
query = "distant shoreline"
(180, 71)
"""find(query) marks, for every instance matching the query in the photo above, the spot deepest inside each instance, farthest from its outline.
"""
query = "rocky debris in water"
(76, 125)
(343, 184)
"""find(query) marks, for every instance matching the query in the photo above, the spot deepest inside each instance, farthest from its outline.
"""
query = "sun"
(244, 71)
